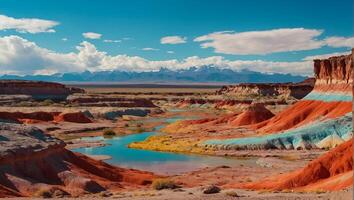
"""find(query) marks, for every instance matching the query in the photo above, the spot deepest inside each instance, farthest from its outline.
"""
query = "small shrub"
(43, 193)
(109, 132)
(232, 194)
(320, 191)
(140, 129)
(160, 184)
(53, 192)
(212, 189)
(47, 102)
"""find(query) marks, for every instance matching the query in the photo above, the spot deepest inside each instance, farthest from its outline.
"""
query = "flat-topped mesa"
(38, 90)
(295, 90)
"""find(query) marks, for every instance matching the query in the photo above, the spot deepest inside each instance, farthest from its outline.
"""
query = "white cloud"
(112, 41)
(170, 52)
(173, 40)
(92, 35)
(20, 56)
(340, 41)
(149, 49)
(323, 56)
(64, 39)
(262, 42)
(27, 25)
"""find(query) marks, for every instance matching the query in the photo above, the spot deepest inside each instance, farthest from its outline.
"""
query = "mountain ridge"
(203, 74)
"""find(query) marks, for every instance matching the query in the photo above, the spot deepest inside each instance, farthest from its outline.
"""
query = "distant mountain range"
(203, 74)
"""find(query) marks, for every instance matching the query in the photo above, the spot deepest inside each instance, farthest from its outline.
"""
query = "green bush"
(109, 132)
(46, 102)
(161, 184)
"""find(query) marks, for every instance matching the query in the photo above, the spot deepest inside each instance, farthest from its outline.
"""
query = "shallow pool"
(157, 162)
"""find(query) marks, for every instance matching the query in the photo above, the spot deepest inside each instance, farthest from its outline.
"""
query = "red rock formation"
(301, 113)
(333, 76)
(254, 114)
(337, 68)
(34, 117)
(42, 163)
(39, 90)
(322, 173)
(114, 102)
(76, 117)
(295, 90)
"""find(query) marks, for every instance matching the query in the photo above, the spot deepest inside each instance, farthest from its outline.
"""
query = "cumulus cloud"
(323, 56)
(149, 49)
(27, 25)
(170, 52)
(92, 35)
(173, 40)
(64, 39)
(340, 41)
(261, 42)
(20, 56)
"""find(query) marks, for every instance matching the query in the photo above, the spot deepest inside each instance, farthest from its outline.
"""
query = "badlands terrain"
(245, 141)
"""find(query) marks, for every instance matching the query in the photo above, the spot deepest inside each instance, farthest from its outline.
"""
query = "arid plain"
(245, 141)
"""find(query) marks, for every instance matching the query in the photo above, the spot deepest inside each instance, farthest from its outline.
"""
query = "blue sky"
(297, 29)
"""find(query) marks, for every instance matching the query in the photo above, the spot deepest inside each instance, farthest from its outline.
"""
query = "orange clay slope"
(332, 171)
(302, 113)
(254, 114)
(322, 119)
(330, 98)
(42, 163)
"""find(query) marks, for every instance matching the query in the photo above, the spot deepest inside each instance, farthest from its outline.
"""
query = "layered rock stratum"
(322, 119)
(32, 163)
(285, 90)
(38, 90)
(331, 171)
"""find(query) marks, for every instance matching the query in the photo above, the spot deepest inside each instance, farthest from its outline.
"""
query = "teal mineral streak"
(307, 135)
(329, 97)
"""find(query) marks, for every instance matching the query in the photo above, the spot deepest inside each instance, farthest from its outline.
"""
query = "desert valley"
(242, 141)
(176, 99)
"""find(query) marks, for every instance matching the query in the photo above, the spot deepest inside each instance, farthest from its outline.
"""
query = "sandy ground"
(197, 194)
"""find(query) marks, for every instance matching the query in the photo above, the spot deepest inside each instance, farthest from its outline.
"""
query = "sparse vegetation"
(109, 132)
(46, 102)
(232, 194)
(161, 184)
(53, 192)
(43, 193)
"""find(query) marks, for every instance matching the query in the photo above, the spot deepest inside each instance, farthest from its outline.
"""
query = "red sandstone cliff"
(39, 90)
(334, 74)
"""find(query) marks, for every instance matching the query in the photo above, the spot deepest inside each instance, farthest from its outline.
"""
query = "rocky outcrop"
(322, 119)
(228, 104)
(32, 162)
(334, 69)
(113, 102)
(331, 171)
(33, 117)
(285, 90)
(253, 114)
(38, 90)
(76, 117)
(112, 115)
